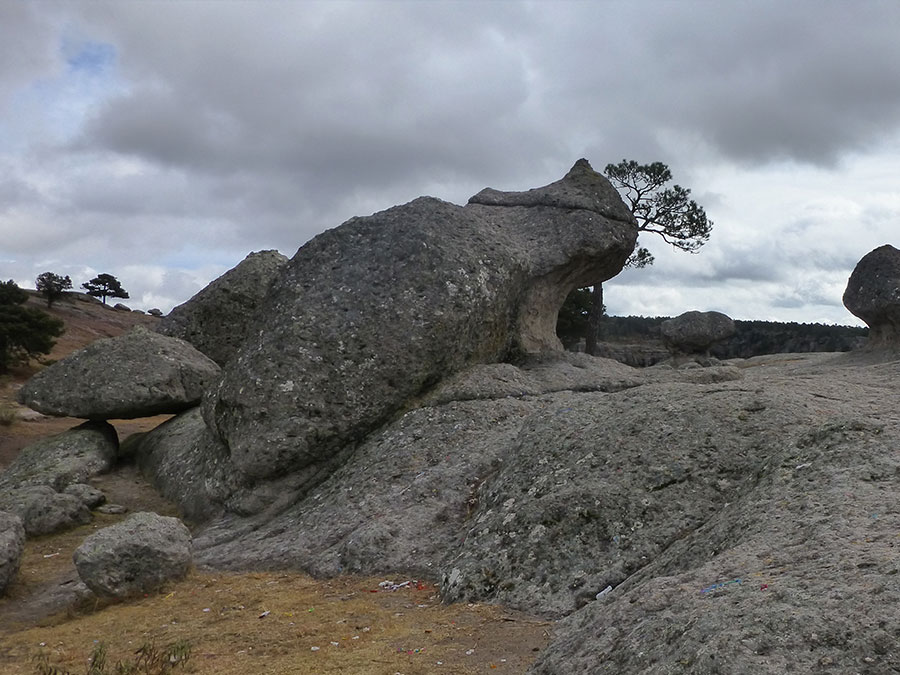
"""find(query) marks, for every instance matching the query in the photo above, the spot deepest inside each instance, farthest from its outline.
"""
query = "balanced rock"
(873, 294)
(218, 318)
(135, 556)
(695, 332)
(139, 374)
(370, 315)
(12, 543)
(70, 457)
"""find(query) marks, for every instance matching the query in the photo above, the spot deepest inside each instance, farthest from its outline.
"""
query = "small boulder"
(139, 374)
(695, 332)
(45, 511)
(122, 308)
(873, 294)
(12, 543)
(90, 496)
(155, 311)
(135, 556)
(218, 318)
(70, 457)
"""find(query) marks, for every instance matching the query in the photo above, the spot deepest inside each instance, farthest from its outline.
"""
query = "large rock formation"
(135, 556)
(139, 374)
(218, 318)
(873, 294)
(372, 314)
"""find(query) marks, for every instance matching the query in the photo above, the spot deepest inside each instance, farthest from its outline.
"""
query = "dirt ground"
(234, 623)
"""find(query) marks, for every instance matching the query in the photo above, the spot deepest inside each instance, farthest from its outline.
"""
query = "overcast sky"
(163, 141)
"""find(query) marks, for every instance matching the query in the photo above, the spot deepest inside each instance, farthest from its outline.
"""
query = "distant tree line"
(752, 338)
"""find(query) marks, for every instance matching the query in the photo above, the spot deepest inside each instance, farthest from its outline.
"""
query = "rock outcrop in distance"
(402, 408)
(873, 294)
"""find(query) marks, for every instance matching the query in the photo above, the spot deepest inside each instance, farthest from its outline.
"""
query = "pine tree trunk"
(595, 319)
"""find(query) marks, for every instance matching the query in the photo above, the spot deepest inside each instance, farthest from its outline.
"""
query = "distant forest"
(753, 338)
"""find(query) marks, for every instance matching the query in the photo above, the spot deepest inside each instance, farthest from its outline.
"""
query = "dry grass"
(291, 623)
(259, 622)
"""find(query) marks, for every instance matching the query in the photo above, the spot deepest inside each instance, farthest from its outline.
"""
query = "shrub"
(148, 660)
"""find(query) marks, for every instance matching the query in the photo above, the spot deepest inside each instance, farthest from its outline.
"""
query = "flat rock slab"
(135, 556)
(139, 374)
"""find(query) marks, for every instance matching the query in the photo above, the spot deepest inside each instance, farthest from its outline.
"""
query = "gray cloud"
(213, 129)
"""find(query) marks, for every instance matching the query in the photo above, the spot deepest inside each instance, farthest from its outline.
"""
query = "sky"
(163, 141)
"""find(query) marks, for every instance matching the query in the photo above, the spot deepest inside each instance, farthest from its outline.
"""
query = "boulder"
(90, 496)
(188, 466)
(218, 318)
(122, 308)
(155, 311)
(695, 332)
(873, 294)
(370, 315)
(12, 544)
(135, 556)
(70, 457)
(45, 511)
(139, 374)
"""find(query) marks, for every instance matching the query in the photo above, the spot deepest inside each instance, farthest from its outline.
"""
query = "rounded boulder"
(873, 294)
(135, 556)
(695, 332)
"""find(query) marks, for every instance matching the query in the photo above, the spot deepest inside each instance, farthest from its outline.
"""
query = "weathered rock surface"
(135, 556)
(670, 490)
(189, 466)
(139, 374)
(43, 510)
(70, 457)
(90, 496)
(695, 332)
(791, 560)
(403, 499)
(372, 314)
(12, 544)
(218, 319)
(873, 294)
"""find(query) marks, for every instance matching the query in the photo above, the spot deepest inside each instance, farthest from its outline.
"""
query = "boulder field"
(400, 405)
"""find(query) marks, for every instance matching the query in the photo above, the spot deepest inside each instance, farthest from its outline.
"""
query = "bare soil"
(235, 623)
